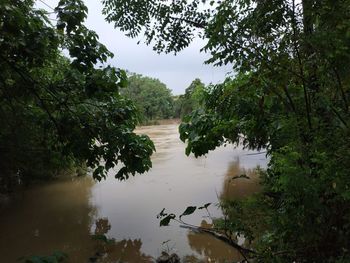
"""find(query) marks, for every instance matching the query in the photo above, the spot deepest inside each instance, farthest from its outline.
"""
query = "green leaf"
(189, 210)
(166, 220)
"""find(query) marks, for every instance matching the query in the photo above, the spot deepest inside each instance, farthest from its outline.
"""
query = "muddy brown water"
(63, 215)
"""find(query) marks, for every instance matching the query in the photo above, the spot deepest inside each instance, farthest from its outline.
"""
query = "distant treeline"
(155, 101)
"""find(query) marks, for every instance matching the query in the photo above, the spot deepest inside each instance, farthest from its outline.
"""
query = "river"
(63, 215)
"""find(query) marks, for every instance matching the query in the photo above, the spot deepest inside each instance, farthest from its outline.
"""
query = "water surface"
(63, 215)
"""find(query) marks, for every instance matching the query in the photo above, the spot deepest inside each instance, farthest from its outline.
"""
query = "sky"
(177, 72)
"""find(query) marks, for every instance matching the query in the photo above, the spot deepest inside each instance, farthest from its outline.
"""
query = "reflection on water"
(46, 218)
(64, 215)
(213, 250)
(240, 182)
(111, 251)
(125, 251)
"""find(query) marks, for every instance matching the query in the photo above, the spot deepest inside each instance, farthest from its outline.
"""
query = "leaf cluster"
(58, 112)
(170, 25)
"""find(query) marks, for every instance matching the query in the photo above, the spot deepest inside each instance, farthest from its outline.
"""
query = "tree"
(290, 96)
(192, 99)
(152, 98)
(57, 111)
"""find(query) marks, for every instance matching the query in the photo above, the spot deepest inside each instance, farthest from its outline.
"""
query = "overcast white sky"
(177, 72)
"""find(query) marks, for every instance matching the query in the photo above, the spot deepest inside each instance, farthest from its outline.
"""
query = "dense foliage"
(191, 100)
(57, 112)
(152, 98)
(291, 96)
